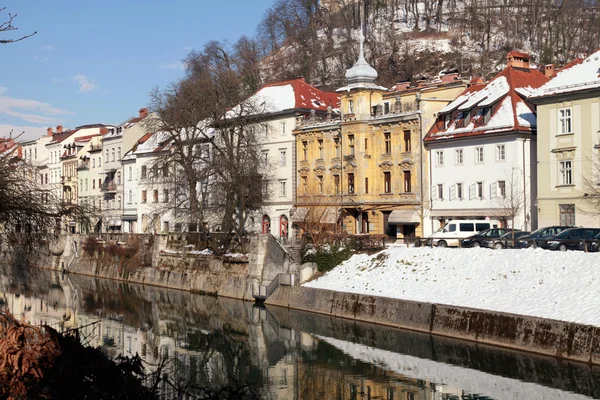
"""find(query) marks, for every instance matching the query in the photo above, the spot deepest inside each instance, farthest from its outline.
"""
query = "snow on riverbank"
(451, 377)
(556, 285)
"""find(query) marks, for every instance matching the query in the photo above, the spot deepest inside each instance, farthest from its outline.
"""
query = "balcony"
(109, 187)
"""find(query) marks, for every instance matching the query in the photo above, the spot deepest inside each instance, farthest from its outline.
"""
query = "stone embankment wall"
(166, 261)
(555, 338)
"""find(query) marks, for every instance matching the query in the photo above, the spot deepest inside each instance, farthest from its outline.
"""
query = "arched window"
(283, 226)
(266, 224)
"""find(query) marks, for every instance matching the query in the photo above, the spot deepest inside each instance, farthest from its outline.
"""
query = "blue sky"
(96, 62)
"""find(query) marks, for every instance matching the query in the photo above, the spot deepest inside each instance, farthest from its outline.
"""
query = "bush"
(327, 257)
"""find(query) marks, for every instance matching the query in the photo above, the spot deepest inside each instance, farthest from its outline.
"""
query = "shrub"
(327, 257)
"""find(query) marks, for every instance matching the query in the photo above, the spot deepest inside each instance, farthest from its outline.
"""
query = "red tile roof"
(506, 94)
(309, 97)
(59, 137)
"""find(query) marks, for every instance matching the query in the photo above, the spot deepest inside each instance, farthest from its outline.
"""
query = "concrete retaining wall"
(537, 335)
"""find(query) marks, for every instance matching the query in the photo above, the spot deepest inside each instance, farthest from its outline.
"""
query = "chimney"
(517, 59)
(449, 77)
(400, 86)
(549, 70)
(143, 112)
(49, 132)
(59, 129)
(476, 81)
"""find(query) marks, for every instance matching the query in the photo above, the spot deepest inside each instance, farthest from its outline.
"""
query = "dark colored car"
(541, 234)
(570, 239)
(489, 234)
(593, 244)
(506, 241)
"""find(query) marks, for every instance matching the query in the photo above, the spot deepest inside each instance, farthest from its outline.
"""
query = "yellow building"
(367, 170)
(568, 145)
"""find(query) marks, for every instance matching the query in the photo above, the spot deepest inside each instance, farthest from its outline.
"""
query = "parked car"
(532, 239)
(507, 241)
(484, 236)
(453, 231)
(569, 239)
(594, 244)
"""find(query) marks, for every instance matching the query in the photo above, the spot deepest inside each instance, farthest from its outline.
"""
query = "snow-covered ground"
(557, 285)
(451, 377)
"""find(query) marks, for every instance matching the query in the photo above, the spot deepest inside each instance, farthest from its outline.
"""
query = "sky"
(96, 62)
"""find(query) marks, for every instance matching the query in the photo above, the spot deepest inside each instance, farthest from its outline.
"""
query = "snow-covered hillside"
(557, 285)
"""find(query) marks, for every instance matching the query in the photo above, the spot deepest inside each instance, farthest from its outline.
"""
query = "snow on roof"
(154, 143)
(581, 76)
(503, 96)
(292, 94)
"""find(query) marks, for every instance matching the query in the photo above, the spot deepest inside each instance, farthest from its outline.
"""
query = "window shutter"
(434, 192)
(472, 191)
(493, 190)
(452, 192)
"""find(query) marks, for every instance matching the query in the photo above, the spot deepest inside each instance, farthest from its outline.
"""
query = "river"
(202, 341)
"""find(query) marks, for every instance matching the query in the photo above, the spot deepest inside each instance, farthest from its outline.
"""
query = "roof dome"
(361, 71)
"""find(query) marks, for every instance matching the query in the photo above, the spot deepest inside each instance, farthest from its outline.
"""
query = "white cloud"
(32, 111)
(22, 133)
(47, 48)
(85, 84)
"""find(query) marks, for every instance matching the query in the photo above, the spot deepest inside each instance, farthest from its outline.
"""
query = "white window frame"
(479, 155)
(459, 157)
(565, 117)
(282, 157)
(282, 187)
(565, 169)
(350, 106)
(460, 194)
(440, 192)
(500, 152)
(439, 158)
(282, 130)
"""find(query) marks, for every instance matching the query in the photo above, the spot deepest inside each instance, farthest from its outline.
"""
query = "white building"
(482, 150)
(115, 144)
(284, 103)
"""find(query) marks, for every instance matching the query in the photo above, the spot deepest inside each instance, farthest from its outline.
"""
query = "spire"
(361, 74)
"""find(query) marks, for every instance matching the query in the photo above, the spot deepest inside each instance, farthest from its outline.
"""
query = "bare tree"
(213, 132)
(8, 26)
(508, 197)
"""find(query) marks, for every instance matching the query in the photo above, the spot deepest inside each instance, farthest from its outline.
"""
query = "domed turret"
(361, 71)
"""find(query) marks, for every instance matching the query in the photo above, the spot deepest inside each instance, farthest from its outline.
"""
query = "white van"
(452, 231)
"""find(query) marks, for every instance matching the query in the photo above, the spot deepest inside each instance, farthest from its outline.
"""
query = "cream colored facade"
(568, 159)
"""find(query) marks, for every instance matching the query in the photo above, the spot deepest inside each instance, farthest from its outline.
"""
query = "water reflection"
(206, 342)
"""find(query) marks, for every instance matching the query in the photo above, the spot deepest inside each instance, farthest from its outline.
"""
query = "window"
(407, 182)
(386, 107)
(366, 144)
(165, 195)
(407, 144)
(320, 181)
(500, 152)
(478, 155)
(93, 184)
(86, 184)
(567, 214)
(564, 121)
(480, 190)
(165, 170)
(387, 182)
(265, 156)
(35, 153)
(336, 142)
(113, 154)
(144, 196)
(502, 189)
(119, 154)
(144, 172)
(388, 142)
(439, 158)
(447, 119)
(456, 192)
(282, 157)
(106, 159)
(155, 196)
(350, 106)
(336, 182)
(566, 172)
(487, 113)
(130, 198)
(305, 151)
(351, 144)
(99, 162)
(93, 163)
(367, 185)
(282, 188)
(282, 128)
(119, 202)
(304, 185)
(351, 183)
(166, 229)
(321, 150)
(118, 177)
(467, 227)
(440, 192)
(458, 157)
(465, 118)
(130, 173)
